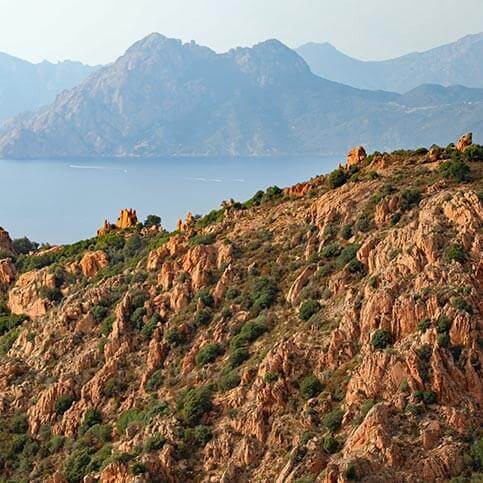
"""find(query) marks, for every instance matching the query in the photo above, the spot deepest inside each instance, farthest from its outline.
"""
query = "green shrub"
(11, 321)
(174, 337)
(355, 266)
(208, 354)
(23, 246)
(131, 416)
(381, 339)
(455, 169)
(229, 381)
(193, 404)
(310, 387)
(347, 232)
(333, 420)
(137, 468)
(55, 444)
(363, 224)
(137, 318)
(91, 418)
(232, 293)
(460, 303)
(238, 356)
(346, 255)
(443, 339)
(205, 296)
(330, 445)
(264, 293)
(197, 437)
(62, 404)
(202, 317)
(106, 325)
(113, 387)
(51, 294)
(308, 309)
(473, 153)
(253, 329)
(424, 325)
(19, 423)
(99, 312)
(476, 452)
(7, 340)
(155, 381)
(409, 198)
(149, 327)
(337, 178)
(331, 250)
(202, 239)
(271, 377)
(154, 443)
(152, 220)
(76, 465)
(395, 218)
(455, 252)
(444, 324)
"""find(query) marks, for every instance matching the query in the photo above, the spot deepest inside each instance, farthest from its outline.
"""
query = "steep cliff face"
(329, 332)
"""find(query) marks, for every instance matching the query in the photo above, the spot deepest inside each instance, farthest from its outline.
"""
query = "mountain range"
(25, 86)
(164, 97)
(460, 62)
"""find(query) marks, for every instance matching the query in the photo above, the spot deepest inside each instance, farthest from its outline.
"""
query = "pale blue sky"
(98, 31)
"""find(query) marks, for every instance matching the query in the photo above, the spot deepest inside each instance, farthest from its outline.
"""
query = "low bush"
(154, 443)
(381, 339)
(238, 356)
(91, 418)
(208, 354)
(308, 309)
(198, 436)
(62, 404)
(193, 404)
(346, 255)
(229, 381)
(347, 232)
(310, 387)
(455, 252)
(333, 420)
(330, 445)
(424, 325)
(337, 178)
(155, 381)
(455, 169)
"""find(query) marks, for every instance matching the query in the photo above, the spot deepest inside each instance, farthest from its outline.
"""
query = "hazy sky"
(98, 31)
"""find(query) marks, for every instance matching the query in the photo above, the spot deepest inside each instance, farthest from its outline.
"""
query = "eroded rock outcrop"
(8, 272)
(356, 156)
(464, 142)
(6, 245)
(93, 262)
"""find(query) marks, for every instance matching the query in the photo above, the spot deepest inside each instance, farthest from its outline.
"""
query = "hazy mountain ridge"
(25, 86)
(165, 97)
(460, 62)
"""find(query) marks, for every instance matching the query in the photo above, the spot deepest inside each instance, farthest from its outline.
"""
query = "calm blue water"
(65, 201)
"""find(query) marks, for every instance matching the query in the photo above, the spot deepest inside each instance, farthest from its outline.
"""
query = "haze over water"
(66, 201)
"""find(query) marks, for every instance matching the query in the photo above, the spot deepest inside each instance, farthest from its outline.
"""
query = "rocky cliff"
(328, 332)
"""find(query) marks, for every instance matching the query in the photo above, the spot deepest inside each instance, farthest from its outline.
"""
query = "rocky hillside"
(25, 86)
(328, 332)
(458, 63)
(163, 97)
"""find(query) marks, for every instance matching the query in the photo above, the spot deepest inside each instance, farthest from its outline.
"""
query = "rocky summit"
(327, 332)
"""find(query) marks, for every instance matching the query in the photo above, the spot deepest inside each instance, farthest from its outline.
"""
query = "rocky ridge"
(328, 332)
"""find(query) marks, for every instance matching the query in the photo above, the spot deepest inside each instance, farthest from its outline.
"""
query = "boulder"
(93, 262)
(356, 156)
(464, 142)
(6, 246)
(7, 272)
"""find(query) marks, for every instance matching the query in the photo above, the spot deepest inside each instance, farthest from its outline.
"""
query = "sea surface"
(66, 201)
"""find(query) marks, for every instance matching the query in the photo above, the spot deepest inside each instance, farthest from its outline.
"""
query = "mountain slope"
(164, 97)
(25, 86)
(328, 332)
(458, 63)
